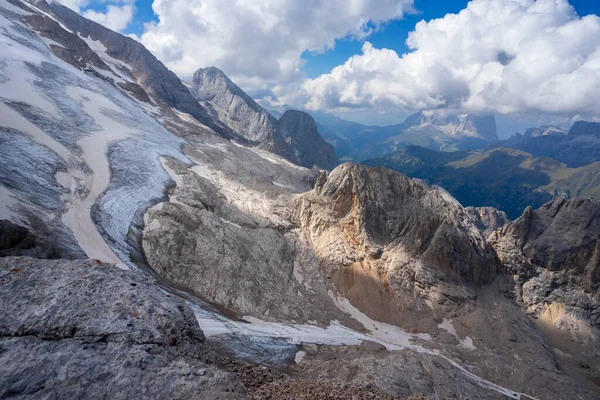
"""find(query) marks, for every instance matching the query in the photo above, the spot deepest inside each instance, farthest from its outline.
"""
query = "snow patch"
(7, 201)
(299, 356)
(203, 170)
(467, 343)
(385, 333)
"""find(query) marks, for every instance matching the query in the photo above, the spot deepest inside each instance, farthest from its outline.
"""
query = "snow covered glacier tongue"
(96, 145)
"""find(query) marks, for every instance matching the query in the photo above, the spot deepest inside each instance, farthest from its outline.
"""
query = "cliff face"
(294, 136)
(382, 212)
(303, 142)
(554, 255)
(233, 106)
(391, 243)
(585, 128)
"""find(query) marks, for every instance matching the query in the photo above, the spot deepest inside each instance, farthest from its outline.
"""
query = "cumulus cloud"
(117, 14)
(116, 18)
(258, 43)
(502, 56)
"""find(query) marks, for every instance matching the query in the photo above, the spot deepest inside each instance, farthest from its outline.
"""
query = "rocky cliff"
(554, 254)
(89, 330)
(294, 136)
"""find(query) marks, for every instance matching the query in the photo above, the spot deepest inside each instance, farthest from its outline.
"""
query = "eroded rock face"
(87, 330)
(488, 219)
(554, 255)
(231, 104)
(381, 211)
(392, 244)
(294, 136)
(238, 246)
(304, 143)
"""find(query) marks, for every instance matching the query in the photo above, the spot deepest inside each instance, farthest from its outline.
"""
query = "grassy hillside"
(507, 179)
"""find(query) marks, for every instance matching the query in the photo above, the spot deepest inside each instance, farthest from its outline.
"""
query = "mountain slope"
(294, 136)
(428, 129)
(503, 178)
(581, 146)
(149, 72)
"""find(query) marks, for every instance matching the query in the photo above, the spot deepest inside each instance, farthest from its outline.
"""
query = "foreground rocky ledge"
(83, 329)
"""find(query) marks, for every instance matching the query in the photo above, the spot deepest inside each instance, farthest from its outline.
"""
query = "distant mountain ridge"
(579, 147)
(431, 129)
(504, 178)
(294, 136)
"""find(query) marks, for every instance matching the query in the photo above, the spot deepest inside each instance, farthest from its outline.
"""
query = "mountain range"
(436, 130)
(504, 178)
(164, 239)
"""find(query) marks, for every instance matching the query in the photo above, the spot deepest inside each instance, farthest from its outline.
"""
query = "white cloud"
(74, 4)
(117, 16)
(258, 43)
(502, 56)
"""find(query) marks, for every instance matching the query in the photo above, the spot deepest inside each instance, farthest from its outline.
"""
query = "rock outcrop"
(382, 211)
(393, 245)
(228, 236)
(488, 219)
(554, 255)
(303, 141)
(294, 136)
(82, 329)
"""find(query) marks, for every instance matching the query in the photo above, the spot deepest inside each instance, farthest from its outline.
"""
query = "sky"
(376, 61)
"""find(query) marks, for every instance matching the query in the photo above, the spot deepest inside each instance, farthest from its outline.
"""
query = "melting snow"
(17, 121)
(78, 218)
(466, 343)
(7, 201)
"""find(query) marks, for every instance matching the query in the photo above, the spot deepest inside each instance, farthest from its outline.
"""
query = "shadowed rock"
(294, 136)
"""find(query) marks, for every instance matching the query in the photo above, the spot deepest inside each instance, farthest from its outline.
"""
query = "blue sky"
(274, 51)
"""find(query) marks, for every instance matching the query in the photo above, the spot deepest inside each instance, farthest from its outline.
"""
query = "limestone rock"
(488, 219)
(294, 136)
(554, 255)
(395, 247)
(85, 329)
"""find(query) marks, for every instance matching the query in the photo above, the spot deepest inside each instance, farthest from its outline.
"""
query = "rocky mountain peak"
(386, 212)
(294, 136)
(457, 126)
(554, 253)
(545, 130)
(585, 128)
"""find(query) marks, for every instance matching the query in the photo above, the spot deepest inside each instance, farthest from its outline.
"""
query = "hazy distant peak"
(545, 130)
(455, 125)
